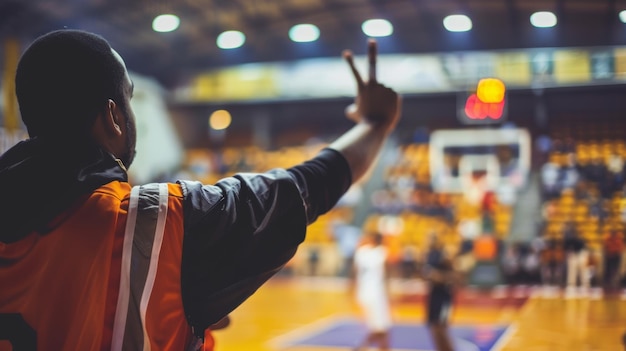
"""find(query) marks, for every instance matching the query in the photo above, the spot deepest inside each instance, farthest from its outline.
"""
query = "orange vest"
(72, 288)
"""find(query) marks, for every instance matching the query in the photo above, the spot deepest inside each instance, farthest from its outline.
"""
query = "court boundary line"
(514, 326)
(506, 337)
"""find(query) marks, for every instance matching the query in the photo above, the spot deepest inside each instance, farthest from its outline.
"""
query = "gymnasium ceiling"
(174, 57)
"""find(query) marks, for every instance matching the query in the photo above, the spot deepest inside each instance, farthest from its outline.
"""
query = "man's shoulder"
(117, 189)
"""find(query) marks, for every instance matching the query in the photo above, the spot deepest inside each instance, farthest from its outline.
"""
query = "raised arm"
(376, 111)
(242, 230)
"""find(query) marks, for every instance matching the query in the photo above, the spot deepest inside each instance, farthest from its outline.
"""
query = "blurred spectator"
(582, 189)
(418, 198)
(593, 270)
(595, 170)
(444, 202)
(538, 243)
(597, 206)
(434, 205)
(552, 262)
(613, 247)
(568, 172)
(577, 258)
(543, 145)
(347, 236)
(313, 260)
(530, 264)
(615, 165)
(622, 206)
(386, 201)
(550, 177)
(614, 176)
(548, 210)
(401, 181)
(510, 263)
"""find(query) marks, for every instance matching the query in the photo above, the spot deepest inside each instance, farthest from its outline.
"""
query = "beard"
(131, 139)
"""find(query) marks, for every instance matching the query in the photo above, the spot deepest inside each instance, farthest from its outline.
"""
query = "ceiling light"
(457, 23)
(220, 120)
(622, 16)
(230, 39)
(165, 23)
(543, 19)
(377, 28)
(304, 33)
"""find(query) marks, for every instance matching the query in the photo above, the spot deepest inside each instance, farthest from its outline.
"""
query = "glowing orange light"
(477, 109)
(490, 90)
(220, 119)
(495, 110)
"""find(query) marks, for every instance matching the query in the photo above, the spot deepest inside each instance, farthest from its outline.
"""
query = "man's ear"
(106, 129)
(112, 118)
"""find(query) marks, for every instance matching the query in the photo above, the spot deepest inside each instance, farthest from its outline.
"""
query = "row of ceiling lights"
(372, 28)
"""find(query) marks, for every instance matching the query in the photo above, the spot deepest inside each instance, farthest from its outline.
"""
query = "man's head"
(72, 88)
(375, 238)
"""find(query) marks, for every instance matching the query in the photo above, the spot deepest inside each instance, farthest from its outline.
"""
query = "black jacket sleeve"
(322, 182)
(242, 230)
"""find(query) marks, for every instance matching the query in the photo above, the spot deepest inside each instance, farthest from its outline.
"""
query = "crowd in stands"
(584, 212)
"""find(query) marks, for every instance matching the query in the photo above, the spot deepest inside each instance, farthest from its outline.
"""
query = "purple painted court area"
(348, 333)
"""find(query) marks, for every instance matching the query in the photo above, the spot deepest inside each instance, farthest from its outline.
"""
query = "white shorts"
(377, 314)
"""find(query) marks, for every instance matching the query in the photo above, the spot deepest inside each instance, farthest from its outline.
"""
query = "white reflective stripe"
(154, 261)
(121, 310)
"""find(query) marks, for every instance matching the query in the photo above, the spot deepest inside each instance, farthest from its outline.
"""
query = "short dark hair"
(63, 81)
(377, 238)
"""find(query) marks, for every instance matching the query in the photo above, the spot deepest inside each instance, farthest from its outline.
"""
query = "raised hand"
(375, 103)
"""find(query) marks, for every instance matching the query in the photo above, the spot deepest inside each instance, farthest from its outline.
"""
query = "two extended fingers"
(372, 52)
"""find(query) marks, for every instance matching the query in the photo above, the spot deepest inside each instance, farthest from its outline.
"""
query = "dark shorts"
(439, 303)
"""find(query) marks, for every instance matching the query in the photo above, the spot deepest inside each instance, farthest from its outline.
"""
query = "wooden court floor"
(286, 311)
